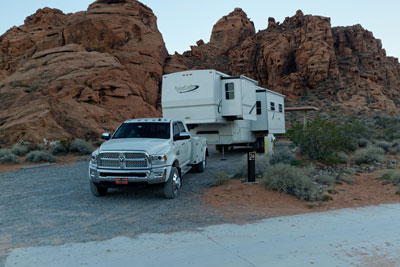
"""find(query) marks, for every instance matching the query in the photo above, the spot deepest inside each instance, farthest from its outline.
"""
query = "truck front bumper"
(150, 176)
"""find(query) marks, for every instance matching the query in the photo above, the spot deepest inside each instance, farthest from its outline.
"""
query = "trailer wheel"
(98, 190)
(173, 185)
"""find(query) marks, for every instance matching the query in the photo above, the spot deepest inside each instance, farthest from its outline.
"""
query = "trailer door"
(231, 98)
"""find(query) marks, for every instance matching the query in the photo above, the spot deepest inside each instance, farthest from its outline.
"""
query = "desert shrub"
(325, 179)
(20, 149)
(283, 155)
(220, 178)
(262, 164)
(321, 139)
(384, 145)
(346, 179)
(395, 149)
(342, 157)
(391, 175)
(368, 155)
(286, 178)
(56, 148)
(38, 156)
(390, 126)
(362, 142)
(81, 146)
(6, 156)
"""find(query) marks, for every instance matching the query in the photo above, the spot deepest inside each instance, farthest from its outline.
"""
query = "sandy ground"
(61, 160)
(236, 197)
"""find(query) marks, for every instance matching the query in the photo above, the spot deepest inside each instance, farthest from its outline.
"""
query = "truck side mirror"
(182, 136)
(106, 136)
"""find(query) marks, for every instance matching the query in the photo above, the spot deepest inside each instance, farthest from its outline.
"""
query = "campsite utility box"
(227, 110)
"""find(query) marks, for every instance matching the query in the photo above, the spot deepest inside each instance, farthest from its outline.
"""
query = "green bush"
(220, 178)
(56, 148)
(325, 180)
(343, 158)
(6, 156)
(395, 149)
(384, 145)
(283, 155)
(391, 175)
(321, 140)
(362, 142)
(20, 149)
(81, 146)
(368, 155)
(38, 156)
(286, 178)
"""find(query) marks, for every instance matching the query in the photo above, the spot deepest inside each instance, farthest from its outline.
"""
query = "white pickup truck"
(155, 150)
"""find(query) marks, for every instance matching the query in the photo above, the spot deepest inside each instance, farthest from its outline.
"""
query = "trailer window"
(272, 106)
(229, 91)
(258, 106)
(280, 108)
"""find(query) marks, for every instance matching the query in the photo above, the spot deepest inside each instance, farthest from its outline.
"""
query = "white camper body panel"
(270, 113)
(208, 96)
(193, 96)
(222, 108)
(232, 132)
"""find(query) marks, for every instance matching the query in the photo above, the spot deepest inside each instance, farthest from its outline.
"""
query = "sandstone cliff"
(303, 58)
(77, 75)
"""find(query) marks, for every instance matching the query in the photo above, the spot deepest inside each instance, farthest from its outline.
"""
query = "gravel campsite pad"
(54, 206)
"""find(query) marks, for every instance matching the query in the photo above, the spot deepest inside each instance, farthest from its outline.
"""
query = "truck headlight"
(93, 160)
(158, 159)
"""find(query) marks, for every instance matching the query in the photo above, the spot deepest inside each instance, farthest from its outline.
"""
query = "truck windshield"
(143, 130)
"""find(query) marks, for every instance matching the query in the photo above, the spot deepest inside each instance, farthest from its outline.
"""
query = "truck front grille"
(123, 160)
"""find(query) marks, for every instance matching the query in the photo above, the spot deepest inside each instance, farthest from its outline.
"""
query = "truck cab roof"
(148, 120)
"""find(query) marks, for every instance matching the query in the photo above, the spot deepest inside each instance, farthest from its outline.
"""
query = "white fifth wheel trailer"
(226, 110)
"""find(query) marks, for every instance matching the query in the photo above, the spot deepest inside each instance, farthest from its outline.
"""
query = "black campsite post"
(251, 167)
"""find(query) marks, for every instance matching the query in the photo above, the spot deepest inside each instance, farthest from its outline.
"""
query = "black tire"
(200, 167)
(98, 190)
(173, 185)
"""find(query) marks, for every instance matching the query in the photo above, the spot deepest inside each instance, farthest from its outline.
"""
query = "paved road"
(52, 206)
(350, 237)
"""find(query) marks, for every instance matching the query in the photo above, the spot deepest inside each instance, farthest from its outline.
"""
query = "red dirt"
(235, 198)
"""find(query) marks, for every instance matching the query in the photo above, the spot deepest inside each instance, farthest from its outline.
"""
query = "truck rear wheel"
(173, 185)
(200, 167)
(98, 190)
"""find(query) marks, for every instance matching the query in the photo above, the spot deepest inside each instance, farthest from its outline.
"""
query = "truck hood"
(151, 146)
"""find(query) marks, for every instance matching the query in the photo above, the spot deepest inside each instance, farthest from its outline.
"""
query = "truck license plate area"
(121, 180)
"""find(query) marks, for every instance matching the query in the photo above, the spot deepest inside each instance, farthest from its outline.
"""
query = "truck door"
(187, 145)
(179, 146)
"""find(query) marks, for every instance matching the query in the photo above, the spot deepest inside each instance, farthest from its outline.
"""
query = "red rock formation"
(303, 56)
(80, 74)
(76, 75)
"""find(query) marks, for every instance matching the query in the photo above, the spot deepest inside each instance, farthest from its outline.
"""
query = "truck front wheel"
(173, 185)
(98, 190)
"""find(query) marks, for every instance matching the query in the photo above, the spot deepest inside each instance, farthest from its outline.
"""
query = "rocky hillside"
(77, 75)
(305, 59)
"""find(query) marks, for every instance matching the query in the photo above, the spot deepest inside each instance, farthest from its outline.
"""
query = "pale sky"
(183, 22)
